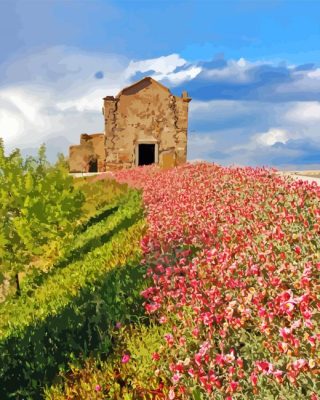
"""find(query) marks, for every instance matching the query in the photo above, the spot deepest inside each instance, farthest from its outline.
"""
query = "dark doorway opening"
(93, 165)
(146, 154)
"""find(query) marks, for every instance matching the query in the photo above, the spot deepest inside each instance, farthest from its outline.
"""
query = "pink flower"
(220, 359)
(198, 359)
(176, 377)
(125, 358)
(278, 375)
(288, 307)
(182, 341)
(239, 362)
(296, 324)
(262, 312)
(97, 388)
(264, 366)
(234, 386)
(169, 338)
(292, 376)
(204, 348)
(171, 394)
(285, 332)
(283, 346)
(195, 332)
(307, 314)
(308, 323)
(254, 379)
(299, 364)
(152, 307)
(230, 357)
(212, 249)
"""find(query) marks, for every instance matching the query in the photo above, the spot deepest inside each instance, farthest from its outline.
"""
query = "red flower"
(156, 356)
(297, 249)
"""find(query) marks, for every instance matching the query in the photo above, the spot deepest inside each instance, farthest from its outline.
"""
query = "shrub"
(123, 376)
(71, 312)
(39, 204)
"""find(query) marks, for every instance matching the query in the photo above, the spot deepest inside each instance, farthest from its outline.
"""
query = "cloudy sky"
(252, 69)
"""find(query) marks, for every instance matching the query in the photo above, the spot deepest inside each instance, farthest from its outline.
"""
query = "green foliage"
(75, 306)
(102, 199)
(39, 204)
(132, 380)
(62, 161)
(94, 233)
(99, 194)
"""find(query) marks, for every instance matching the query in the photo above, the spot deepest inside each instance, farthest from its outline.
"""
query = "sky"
(252, 69)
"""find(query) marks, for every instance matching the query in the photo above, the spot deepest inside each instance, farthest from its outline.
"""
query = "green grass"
(70, 310)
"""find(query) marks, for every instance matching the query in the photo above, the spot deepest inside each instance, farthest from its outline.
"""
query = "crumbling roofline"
(147, 78)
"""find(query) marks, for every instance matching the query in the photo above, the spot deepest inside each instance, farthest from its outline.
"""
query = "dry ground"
(311, 173)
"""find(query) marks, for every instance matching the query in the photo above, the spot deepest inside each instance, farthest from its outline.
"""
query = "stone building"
(144, 124)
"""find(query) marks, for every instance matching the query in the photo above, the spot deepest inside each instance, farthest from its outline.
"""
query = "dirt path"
(308, 176)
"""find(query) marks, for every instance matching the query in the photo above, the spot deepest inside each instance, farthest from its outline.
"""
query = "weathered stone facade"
(144, 124)
(89, 156)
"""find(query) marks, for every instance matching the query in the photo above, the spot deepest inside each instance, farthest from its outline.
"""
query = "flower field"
(233, 255)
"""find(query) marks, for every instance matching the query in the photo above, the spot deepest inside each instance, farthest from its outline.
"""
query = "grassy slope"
(108, 237)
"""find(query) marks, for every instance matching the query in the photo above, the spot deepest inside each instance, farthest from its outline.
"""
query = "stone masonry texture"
(144, 113)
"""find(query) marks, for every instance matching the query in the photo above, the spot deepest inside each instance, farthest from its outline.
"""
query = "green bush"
(102, 199)
(96, 231)
(115, 379)
(39, 210)
(98, 194)
(72, 311)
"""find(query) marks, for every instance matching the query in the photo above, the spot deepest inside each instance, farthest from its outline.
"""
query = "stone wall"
(146, 112)
(143, 113)
(90, 150)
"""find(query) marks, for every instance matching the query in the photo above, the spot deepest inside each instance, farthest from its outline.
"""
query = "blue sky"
(252, 69)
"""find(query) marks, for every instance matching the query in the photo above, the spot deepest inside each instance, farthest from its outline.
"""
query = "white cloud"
(314, 74)
(271, 137)
(200, 146)
(164, 68)
(58, 94)
(11, 126)
(162, 65)
(302, 82)
(221, 109)
(54, 93)
(90, 101)
(236, 71)
(307, 112)
(258, 143)
(22, 116)
(176, 78)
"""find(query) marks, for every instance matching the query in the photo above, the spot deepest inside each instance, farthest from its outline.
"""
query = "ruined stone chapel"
(144, 124)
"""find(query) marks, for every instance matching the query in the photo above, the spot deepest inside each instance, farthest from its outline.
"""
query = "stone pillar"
(182, 131)
(109, 110)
